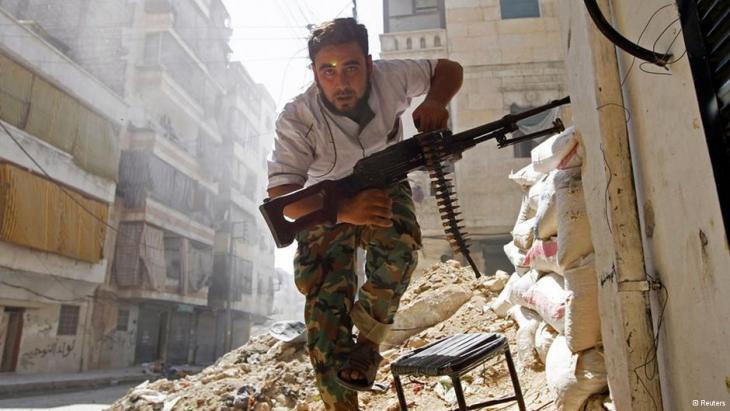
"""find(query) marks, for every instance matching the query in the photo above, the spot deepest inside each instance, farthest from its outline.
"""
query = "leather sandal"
(365, 360)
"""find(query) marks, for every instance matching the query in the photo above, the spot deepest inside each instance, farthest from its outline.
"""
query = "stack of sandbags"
(535, 296)
(553, 293)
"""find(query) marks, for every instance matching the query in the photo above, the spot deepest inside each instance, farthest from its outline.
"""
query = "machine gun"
(430, 150)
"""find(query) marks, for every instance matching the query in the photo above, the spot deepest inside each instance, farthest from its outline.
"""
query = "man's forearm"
(299, 208)
(447, 79)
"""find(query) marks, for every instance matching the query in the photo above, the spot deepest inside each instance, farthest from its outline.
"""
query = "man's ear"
(369, 63)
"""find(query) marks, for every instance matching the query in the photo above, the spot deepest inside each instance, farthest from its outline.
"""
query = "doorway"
(11, 346)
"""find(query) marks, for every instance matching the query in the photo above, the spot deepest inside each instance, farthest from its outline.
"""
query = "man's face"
(341, 72)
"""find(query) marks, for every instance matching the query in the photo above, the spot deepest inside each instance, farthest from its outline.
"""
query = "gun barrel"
(508, 122)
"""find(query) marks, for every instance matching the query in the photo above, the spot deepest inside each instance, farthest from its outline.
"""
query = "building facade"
(167, 262)
(59, 156)
(513, 60)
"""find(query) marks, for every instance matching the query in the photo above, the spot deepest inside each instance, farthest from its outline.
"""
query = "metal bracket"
(638, 286)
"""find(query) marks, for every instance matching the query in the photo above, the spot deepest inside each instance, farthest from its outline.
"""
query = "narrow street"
(96, 399)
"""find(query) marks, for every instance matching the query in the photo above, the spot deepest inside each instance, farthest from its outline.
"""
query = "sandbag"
(526, 176)
(544, 337)
(502, 304)
(574, 231)
(516, 257)
(543, 256)
(546, 214)
(548, 298)
(573, 378)
(520, 287)
(524, 233)
(548, 154)
(582, 317)
(527, 321)
(425, 312)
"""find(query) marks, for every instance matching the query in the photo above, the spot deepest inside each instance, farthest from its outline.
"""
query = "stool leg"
(399, 391)
(515, 381)
(459, 392)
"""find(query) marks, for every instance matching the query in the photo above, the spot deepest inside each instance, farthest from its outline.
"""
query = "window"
(172, 256)
(250, 187)
(437, 41)
(706, 33)
(423, 43)
(122, 320)
(68, 320)
(518, 9)
(409, 43)
(524, 149)
(425, 6)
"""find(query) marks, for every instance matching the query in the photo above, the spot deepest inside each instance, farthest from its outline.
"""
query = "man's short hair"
(337, 31)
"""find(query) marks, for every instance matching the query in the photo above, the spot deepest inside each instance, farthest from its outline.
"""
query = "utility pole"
(354, 9)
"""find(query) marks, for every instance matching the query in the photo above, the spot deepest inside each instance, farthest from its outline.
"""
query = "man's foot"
(359, 371)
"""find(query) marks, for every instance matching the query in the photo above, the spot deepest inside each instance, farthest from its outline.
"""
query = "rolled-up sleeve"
(293, 150)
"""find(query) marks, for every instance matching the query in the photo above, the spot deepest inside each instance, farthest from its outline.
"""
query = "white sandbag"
(573, 378)
(527, 321)
(547, 297)
(574, 158)
(543, 256)
(526, 176)
(546, 214)
(574, 231)
(516, 257)
(524, 233)
(521, 286)
(582, 318)
(548, 154)
(502, 304)
(544, 337)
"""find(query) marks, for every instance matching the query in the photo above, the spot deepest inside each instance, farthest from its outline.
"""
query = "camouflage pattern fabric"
(324, 272)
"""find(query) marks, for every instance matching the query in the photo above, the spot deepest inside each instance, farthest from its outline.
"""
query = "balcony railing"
(418, 40)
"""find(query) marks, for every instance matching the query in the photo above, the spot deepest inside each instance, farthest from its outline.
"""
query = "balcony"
(172, 153)
(432, 42)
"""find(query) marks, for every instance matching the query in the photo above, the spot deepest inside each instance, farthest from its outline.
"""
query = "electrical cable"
(620, 41)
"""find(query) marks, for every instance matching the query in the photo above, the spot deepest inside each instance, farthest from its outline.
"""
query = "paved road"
(97, 399)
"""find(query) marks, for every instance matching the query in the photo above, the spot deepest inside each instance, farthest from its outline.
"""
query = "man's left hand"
(430, 115)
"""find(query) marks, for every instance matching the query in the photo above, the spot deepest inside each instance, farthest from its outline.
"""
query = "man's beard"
(360, 105)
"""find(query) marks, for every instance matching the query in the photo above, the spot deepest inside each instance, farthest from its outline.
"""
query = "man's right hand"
(373, 207)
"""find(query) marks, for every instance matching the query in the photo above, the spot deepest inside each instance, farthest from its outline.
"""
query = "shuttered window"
(706, 30)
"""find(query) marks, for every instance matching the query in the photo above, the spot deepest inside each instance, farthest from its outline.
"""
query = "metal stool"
(455, 356)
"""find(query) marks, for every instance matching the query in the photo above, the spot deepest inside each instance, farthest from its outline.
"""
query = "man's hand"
(372, 207)
(430, 115)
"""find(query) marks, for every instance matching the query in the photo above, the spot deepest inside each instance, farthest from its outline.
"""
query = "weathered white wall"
(41, 349)
(684, 243)
(682, 224)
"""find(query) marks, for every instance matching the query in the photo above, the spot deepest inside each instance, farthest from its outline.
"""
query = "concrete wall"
(41, 349)
(512, 61)
(681, 228)
(505, 62)
(109, 347)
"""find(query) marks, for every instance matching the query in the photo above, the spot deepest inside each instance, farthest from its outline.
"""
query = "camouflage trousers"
(324, 272)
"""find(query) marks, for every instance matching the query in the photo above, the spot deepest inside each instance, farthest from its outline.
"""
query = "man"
(353, 110)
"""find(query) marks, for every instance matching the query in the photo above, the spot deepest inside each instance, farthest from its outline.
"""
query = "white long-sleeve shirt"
(314, 144)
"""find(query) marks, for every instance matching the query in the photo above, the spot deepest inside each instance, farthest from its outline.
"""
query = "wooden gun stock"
(285, 230)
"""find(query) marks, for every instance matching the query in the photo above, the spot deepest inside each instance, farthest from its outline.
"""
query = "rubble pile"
(268, 374)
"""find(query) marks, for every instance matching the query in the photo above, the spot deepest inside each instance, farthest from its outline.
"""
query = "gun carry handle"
(284, 230)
